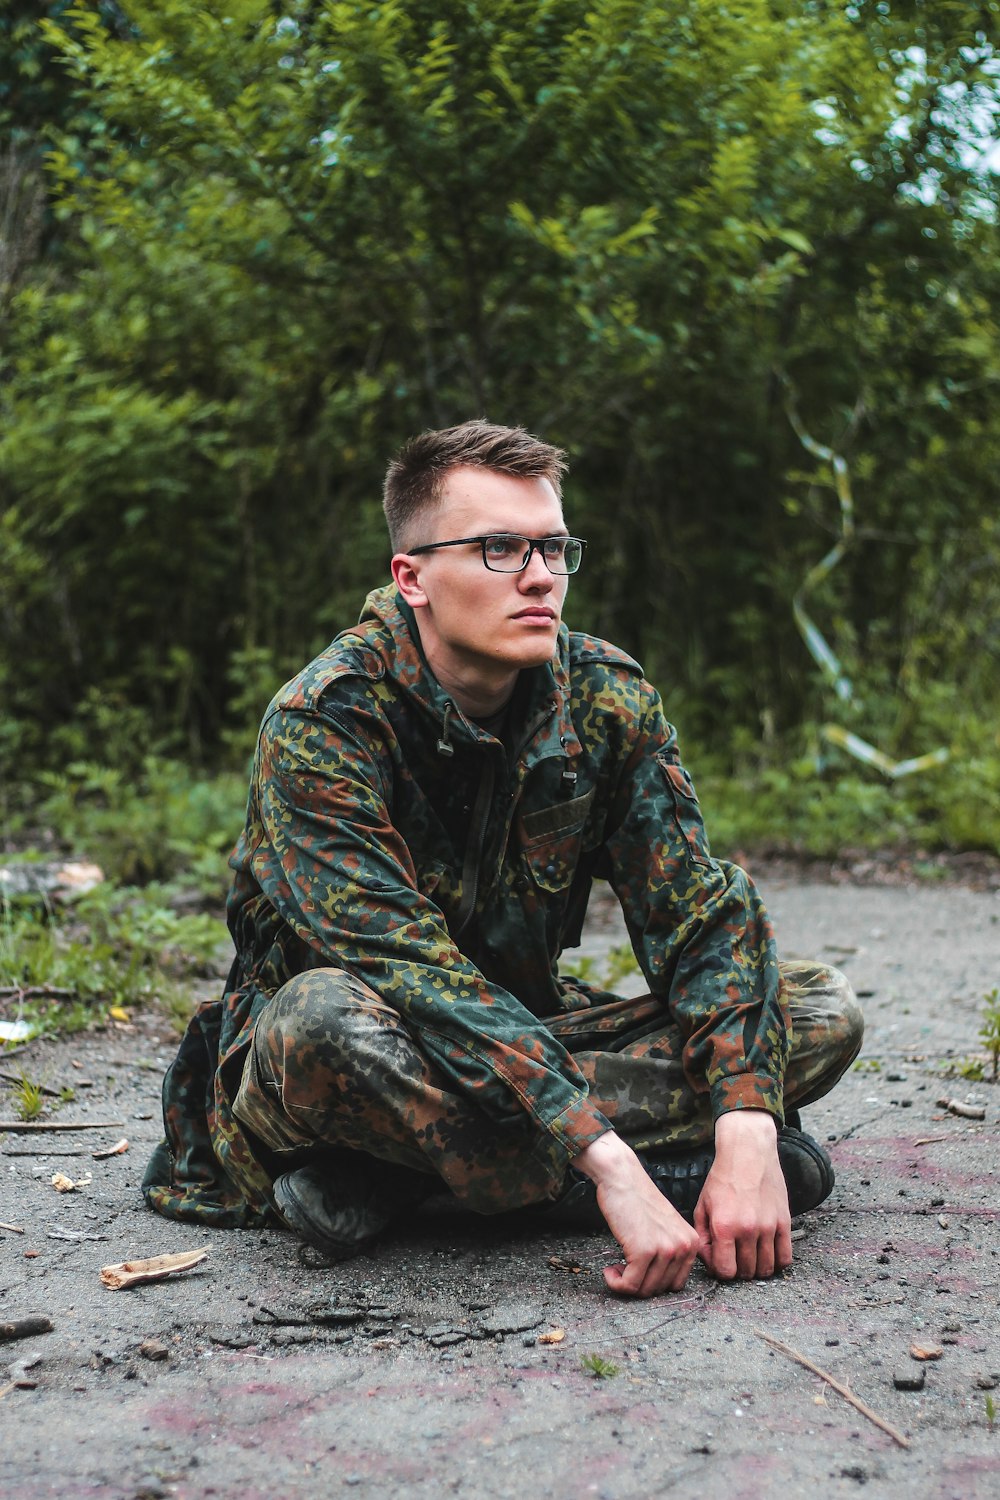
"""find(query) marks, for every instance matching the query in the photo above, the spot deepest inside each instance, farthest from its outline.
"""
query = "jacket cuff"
(576, 1126)
(748, 1091)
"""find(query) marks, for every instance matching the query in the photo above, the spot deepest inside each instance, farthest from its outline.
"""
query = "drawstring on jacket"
(444, 745)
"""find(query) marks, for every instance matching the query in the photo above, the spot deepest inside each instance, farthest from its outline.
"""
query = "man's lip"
(540, 611)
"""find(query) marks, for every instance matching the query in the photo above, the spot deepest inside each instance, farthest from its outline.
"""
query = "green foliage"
(619, 964)
(798, 793)
(153, 820)
(974, 1067)
(281, 243)
(29, 1098)
(600, 1368)
(114, 948)
(991, 1411)
(989, 1032)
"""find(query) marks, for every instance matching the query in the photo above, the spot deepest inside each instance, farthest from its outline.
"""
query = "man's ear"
(407, 580)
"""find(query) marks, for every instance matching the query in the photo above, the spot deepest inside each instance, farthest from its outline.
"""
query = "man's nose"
(535, 574)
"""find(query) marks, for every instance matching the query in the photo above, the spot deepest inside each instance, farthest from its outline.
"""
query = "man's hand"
(658, 1246)
(742, 1217)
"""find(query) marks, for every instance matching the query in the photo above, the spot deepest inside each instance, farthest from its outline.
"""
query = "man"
(431, 799)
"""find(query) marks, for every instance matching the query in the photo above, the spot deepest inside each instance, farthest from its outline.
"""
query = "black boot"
(341, 1206)
(680, 1177)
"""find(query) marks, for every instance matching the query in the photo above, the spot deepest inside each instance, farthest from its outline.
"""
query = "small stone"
(911, 1379)
(154, 1349)
(987, 1382)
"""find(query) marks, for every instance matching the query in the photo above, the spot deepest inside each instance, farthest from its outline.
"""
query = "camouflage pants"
(332, 1065)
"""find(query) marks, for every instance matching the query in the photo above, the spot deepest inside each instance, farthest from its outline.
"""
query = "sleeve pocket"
(686, 812)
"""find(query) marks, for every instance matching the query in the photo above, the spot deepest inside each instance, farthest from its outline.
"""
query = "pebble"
(987, 1382)
(910, 1379)
(154, 1349)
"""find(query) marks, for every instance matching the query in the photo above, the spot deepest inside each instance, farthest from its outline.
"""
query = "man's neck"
(477, 697)
(478, 693)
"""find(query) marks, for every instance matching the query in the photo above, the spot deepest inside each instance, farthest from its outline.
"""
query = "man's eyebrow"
(545, 536)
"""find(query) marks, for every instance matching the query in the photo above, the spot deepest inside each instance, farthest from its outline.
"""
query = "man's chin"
(537, 656)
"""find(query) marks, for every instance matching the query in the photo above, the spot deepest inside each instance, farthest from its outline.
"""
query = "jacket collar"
(392, 632)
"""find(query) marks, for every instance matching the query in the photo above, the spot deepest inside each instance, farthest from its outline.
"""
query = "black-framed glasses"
(504, 553)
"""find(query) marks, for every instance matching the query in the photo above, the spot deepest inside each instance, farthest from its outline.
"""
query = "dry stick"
(842, 1390)
(24, 1328)
(966, 1111)
(50, 1151)
(14, 1228)
(49, 991)
(21, 1125)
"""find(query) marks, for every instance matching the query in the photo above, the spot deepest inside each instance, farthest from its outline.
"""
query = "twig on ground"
(932, 1140)
(24, 1328)
(13, 1228)
(48, 1151)
(47, 991)
(22, 1125)
(966, 1111)
(841, 1390)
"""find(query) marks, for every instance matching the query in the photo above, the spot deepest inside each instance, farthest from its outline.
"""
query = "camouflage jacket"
(389, 834)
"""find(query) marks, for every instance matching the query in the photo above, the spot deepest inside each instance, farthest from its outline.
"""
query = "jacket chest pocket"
(551, 840)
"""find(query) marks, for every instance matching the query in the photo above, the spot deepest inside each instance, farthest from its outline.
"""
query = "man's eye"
(503, 546)
(555, 547)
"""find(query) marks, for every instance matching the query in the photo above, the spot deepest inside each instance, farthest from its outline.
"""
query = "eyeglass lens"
(509, 554)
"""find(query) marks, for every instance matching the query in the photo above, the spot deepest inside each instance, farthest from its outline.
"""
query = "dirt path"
(420, 1370)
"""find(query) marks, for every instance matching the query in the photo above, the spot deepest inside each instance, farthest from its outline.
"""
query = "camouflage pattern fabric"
(390, 837)
(332, 1065)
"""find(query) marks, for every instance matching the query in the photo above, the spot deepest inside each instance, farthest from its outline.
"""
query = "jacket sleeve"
(328, 858)
(698, 925)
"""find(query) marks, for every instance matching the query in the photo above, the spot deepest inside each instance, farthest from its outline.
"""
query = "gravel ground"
(453, 1358)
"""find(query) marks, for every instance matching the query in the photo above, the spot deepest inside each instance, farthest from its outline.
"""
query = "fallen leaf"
(133, 1272)
(926, 1351)
(117, 1013)
(118, 1149)
(64, 1184)
(558, 1264)
(554, 1336)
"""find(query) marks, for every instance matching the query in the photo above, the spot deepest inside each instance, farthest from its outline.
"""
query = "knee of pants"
(841, 1014)
(825, 1011)
(321, 1005)
(851, 1028)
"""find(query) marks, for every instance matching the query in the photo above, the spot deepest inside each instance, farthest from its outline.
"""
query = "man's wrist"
(605, 1158)
(745, 1123)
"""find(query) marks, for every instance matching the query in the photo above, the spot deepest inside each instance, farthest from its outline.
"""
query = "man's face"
(476, 624)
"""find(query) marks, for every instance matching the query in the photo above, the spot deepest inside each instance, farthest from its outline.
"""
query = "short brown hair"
(416, 476)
